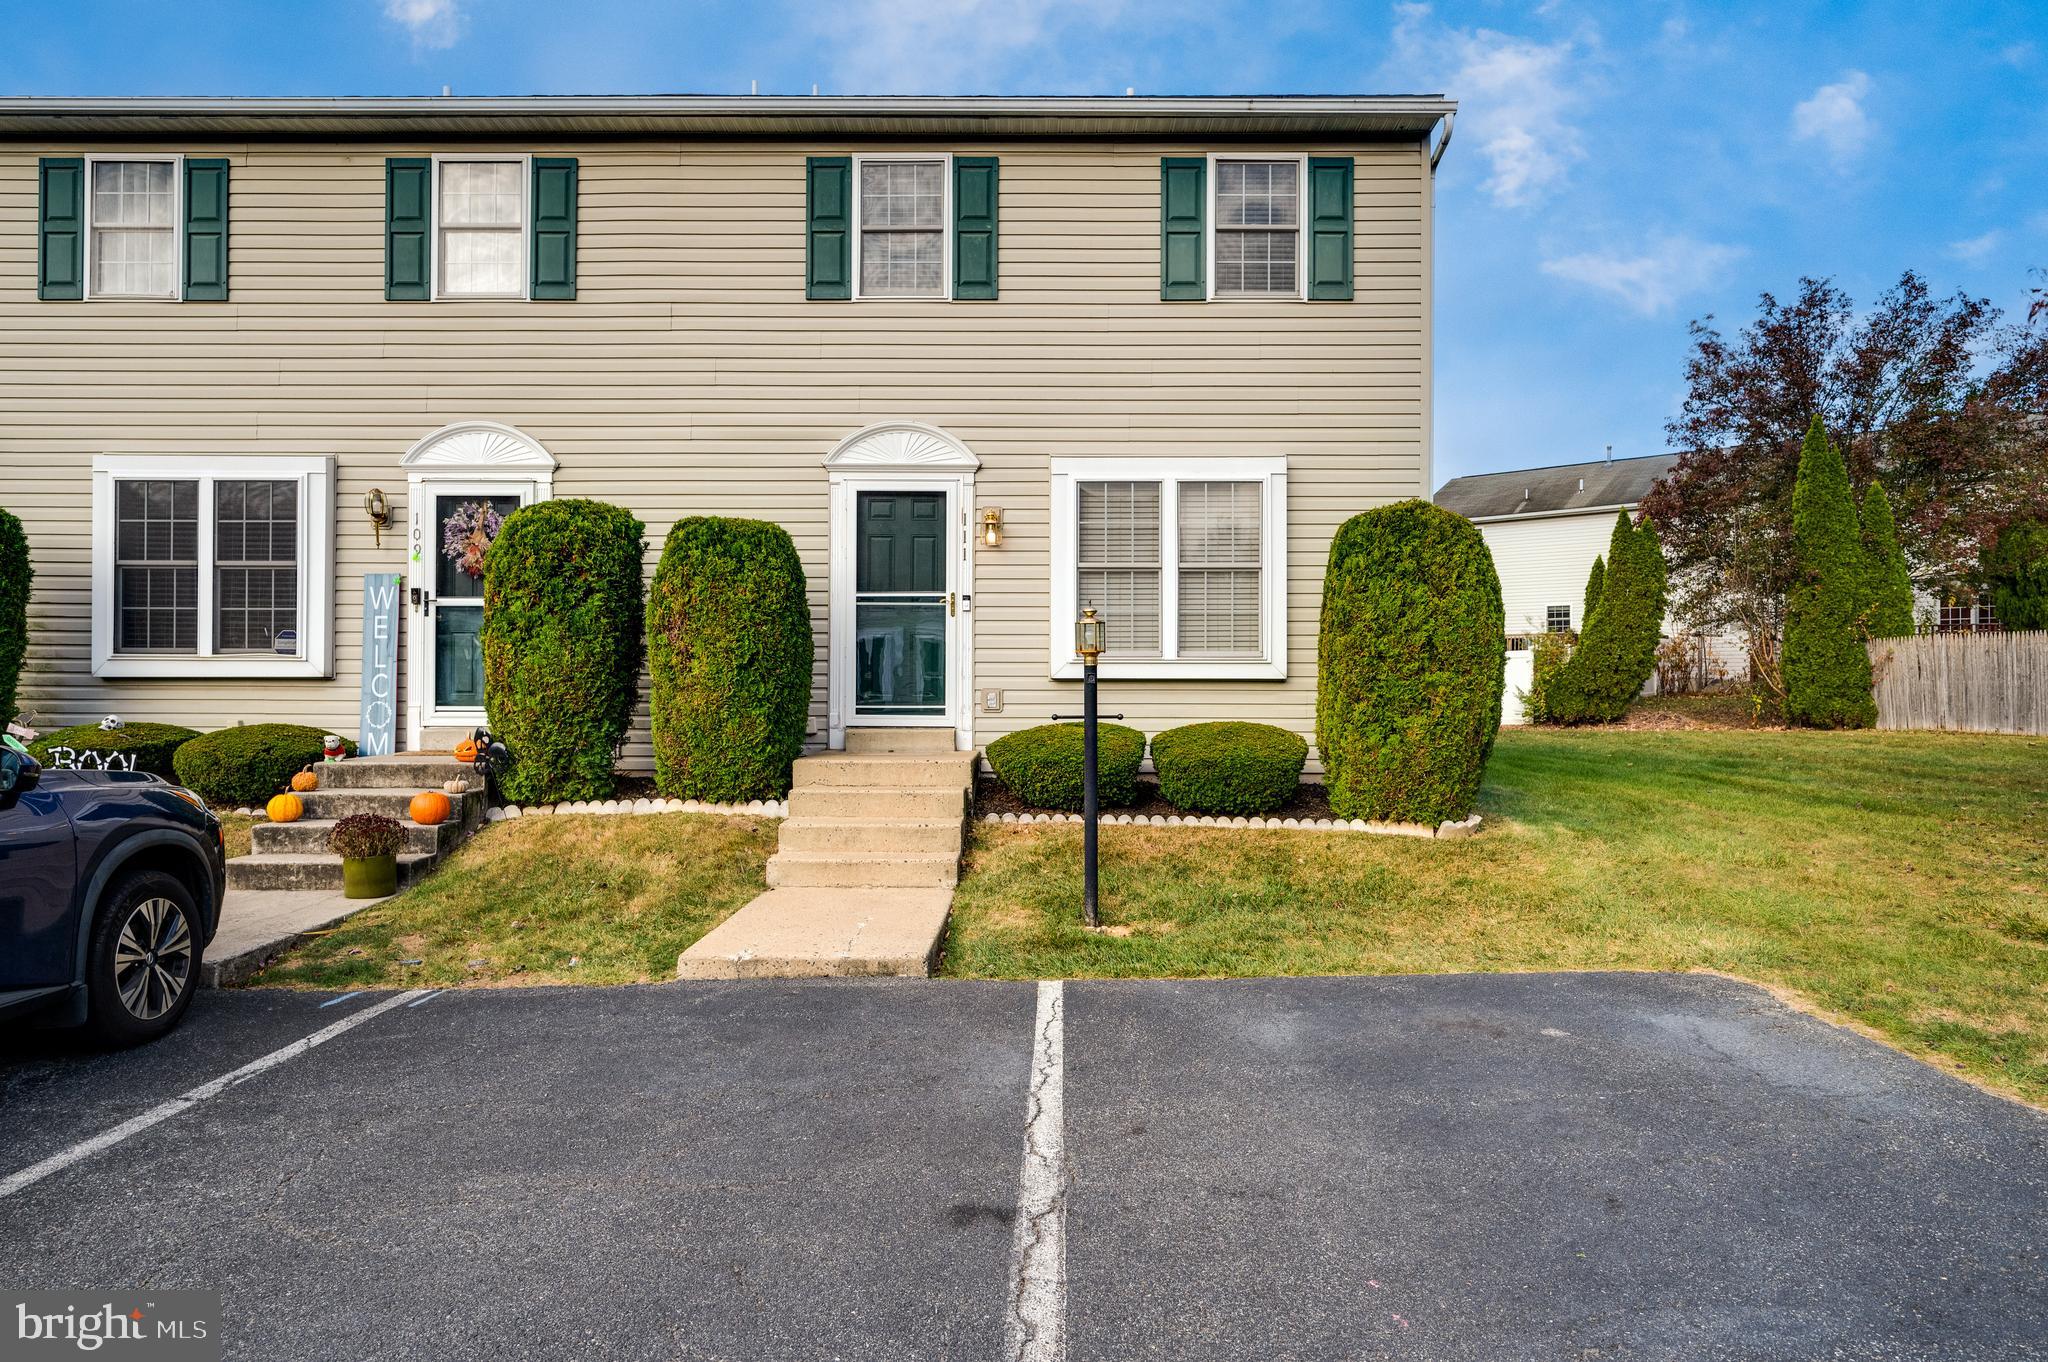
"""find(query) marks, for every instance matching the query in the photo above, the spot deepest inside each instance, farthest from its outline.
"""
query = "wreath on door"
(467, 534)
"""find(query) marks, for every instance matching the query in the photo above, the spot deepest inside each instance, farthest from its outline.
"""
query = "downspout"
(1450, 122)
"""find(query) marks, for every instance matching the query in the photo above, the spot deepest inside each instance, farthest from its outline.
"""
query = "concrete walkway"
(258, 925)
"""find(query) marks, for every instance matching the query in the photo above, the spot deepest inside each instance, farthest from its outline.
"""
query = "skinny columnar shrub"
(1409, 664)
(561, 643)
(1617, 648)
(1594, 581)
(729, 645)
(1827, 667)
(15, 574)
(1042, 766)
(2015, 570)
(1888, 611)
(1229, 767)
(132, 747)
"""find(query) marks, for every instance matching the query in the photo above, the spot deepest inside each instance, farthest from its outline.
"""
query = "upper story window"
(902, 208)
(1557, 619)
(1258, 227)
(480, 241)
(132, 228)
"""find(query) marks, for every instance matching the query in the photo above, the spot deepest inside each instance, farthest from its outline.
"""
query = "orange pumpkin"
(466, 750)
(429, 807)
(306, 780)
(285, 808)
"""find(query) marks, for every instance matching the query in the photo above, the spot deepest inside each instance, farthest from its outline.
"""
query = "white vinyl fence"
(1968, 683)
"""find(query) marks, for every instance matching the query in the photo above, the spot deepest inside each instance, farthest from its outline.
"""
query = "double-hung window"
(480, 232)
(1557, 619)
(1256, 243)
(903, 208)
(132, 227)
(211, 566)
(1183, 559)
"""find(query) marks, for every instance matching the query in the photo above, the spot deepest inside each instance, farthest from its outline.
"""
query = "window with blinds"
(482, 217)
(1117, 539)
(255, 550)
(903, 228)
(1219, 525)
(1258, 228)
(134, 229)
(156, 565)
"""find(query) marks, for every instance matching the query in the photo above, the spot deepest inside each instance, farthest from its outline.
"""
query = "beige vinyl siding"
(691, 376)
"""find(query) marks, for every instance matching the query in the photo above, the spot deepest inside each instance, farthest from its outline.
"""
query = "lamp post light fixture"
(1088, 644)
(992, 526)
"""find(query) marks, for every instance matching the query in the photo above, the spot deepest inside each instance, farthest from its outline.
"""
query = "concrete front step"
(925, 741)
(892, 770)
(309, 836)
(331, 803)
(884, 870)
(855, 836)
(394, 773)
(809, 933)
(878, 802)
(275, 870)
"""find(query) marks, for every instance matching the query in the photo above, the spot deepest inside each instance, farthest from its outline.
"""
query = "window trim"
(945, 293)
(1550, 626)
(315, 475)
(176, 161)
(1211, 220)
(437, 227)
(1068, 473)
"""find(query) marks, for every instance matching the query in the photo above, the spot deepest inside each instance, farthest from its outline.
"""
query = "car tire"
(143, 964)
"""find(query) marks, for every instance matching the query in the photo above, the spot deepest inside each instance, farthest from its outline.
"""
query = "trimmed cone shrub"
(237, 766)
(1889, 605)
(1410, 664)
(2015, 570)
(1827, 668)
(1235, 768)
(1617, 649)
(729, 644)
(132, 747)
(1595, 580)
(15, 574)
(1042, 765)
(561, 641)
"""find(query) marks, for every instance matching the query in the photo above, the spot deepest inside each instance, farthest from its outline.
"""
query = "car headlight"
(194, 800)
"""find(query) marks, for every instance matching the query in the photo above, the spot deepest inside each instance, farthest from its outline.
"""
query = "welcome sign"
(377, 722)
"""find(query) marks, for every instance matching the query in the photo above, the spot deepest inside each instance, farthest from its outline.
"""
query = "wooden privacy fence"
(1970, 683)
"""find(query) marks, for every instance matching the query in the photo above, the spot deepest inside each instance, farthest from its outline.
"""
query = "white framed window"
(133, 208)
(212, 565)
(1255, 235)
(903, 226)
(480, 226)
(1184, 559)
(1557, 619)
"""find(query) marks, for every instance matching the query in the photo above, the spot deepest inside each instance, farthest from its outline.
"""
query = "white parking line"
(343, 998)
(434, 994)
(1035, 1327)
(164, 1111)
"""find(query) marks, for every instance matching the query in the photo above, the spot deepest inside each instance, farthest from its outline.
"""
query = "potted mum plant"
(368, 846)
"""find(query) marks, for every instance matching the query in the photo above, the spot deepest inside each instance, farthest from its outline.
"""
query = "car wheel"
(144, 963)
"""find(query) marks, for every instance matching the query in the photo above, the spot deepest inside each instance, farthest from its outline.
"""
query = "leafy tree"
(1594, 581)
(1827, 668)
(2015, 571)
(15, 574)
(1888, 593)
(1617, 648)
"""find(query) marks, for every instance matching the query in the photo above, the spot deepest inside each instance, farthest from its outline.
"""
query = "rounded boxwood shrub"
(562, 645)
(132, 747)
(729, 645)
(1042, 766)
(237, 766)
(1236, 768)
(15, 574)
(1410, 664)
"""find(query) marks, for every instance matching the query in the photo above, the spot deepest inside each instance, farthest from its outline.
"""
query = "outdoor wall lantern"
(1088, 635)
(379, 511)
(992, 526)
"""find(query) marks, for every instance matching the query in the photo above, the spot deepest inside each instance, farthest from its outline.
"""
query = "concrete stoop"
(295, 855)
(862, 879)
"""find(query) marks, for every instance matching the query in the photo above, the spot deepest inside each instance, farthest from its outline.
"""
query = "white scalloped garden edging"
(757, 808)
(1463, 827)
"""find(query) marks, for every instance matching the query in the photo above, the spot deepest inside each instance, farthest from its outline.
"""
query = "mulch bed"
(1311, 801)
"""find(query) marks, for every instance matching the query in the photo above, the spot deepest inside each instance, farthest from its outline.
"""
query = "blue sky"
(1617, 170)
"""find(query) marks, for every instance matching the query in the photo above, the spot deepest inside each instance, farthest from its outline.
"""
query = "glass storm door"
(902, 605)
(458, 608)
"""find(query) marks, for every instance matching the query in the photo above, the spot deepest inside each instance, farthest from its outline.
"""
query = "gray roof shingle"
(1561, 487)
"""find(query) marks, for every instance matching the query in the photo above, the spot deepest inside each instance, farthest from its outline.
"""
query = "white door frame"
(902, 456)
(477, 458)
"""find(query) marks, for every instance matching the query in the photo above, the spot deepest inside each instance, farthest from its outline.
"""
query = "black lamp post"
(1088, 644)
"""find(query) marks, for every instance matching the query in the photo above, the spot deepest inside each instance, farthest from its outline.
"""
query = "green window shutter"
(60, 232)
(1329, 227)
(1183, 204)
(408, 228)
(206, 229)
(974, 226)
(828, 239)
(554, 227)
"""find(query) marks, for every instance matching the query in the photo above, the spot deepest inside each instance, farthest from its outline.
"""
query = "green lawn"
(1896, 881)
(565, 899)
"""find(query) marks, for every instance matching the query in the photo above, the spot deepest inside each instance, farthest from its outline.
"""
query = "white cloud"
(918, 46)
(1515, 98)
(1973, 250)
(432, 23)
(1653, 280)
(1834, 116)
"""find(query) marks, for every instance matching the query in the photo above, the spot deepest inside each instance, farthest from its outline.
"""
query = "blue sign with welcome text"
(377, 729)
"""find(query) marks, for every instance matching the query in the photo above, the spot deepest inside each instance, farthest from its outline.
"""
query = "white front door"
(444, 596)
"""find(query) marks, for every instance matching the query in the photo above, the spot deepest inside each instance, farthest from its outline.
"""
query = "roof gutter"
(1552, 515)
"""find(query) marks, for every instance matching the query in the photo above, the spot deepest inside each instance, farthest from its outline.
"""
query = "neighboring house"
(986, 359)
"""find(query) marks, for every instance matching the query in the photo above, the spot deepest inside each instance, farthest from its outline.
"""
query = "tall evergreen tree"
(2015, 570)
(1594, 582)
(1888, 604)
(1827, 668)
(1617, 648)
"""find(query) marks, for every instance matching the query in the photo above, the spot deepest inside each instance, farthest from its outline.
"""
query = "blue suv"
(110, 890)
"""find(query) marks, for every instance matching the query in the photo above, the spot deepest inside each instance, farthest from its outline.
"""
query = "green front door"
(903, 604)
(459, 608)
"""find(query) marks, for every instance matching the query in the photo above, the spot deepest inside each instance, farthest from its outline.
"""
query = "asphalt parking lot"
(1460, 1167)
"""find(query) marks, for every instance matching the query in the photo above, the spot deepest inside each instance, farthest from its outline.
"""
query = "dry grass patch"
(234, 833)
